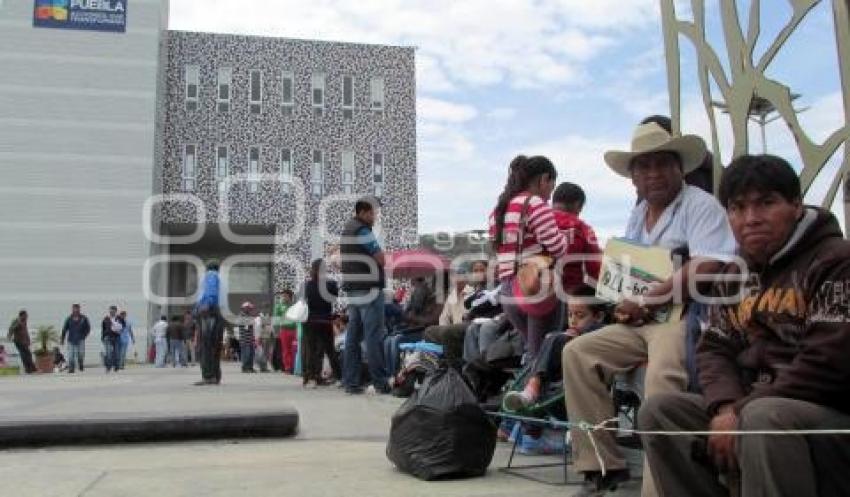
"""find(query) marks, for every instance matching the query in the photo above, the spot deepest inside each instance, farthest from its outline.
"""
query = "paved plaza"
(339, 449)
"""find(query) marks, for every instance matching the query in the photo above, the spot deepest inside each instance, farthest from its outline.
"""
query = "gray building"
(131, 155)
(77, 153)
(274, 139)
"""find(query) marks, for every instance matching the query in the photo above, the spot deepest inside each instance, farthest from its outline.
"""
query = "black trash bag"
(441, 431)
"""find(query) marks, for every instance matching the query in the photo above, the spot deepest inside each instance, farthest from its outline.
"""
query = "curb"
(105, 429)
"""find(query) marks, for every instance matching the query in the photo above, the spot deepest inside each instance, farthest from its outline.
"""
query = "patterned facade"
(270, 131)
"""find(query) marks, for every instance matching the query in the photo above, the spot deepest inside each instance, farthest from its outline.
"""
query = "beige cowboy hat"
(651, 137)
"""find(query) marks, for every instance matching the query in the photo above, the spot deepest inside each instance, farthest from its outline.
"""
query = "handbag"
(298, 312)
(534, 278)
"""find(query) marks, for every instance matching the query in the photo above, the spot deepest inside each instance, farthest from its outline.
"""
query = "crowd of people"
(751, 331)
(755, 335)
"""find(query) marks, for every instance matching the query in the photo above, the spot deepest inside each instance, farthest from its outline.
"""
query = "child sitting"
(585, 314)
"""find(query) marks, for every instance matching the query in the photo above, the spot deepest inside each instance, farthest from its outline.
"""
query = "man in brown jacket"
(20, 335)
(775, 356)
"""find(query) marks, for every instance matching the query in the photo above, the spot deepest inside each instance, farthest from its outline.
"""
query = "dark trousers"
(365, 322)
(209, 355)
(318, 342)
(26, 357)
(246, 353)
(532, 328)
(110, 353)
(548, 362)
(770, 465)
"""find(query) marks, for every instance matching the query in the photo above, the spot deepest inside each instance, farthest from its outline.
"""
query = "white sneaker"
(370, 390)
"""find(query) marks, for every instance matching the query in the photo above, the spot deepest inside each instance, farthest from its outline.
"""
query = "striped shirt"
(541, 233)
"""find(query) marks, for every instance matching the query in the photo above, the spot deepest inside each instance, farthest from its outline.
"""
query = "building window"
(256, 92)
(225, 78)
(253, 169)
(222, 166)
(347, 171)
(192, 76)
(286, 170)
(378, 173)
(287, 92)
(317, 174)
(376, 94)
(318, 89)
(189, 167)
(347, 97)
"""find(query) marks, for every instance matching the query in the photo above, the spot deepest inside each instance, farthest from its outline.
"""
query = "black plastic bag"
(441, 431)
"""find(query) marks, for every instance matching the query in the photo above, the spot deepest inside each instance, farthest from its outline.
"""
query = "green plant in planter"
(45, 336)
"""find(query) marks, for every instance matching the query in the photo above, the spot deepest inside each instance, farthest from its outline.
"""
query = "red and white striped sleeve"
(541, 222)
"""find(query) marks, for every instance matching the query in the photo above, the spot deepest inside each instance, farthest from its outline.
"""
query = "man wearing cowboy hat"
(672, 215)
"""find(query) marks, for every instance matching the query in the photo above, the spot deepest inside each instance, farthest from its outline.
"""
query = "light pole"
(761, 112)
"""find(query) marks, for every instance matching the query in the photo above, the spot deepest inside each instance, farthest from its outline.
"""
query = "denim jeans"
(365, 320)
(122, 352)
(247, 355)
(392, 350)
(76, 355)
(177, 352)
(161, 345)
(110, 354)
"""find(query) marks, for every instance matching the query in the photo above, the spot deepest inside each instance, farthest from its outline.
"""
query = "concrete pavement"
(339, 449)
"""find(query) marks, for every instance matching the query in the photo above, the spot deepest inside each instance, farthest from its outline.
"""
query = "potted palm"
(45, 337)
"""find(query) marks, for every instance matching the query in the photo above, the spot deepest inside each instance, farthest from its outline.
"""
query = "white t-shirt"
(694, 220)
(159, 330)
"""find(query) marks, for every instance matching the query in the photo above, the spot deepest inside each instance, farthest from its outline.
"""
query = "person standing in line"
(320, 293)
(20, 336)
(190, 354)
(209, 334)
(247, 337)
(211, 289)
(76, 329)
(125, 339)
(287, 332)
(263, 332)
(175, 341)
(522, 225)
(160, 341)
(363, 280)
(110, 332)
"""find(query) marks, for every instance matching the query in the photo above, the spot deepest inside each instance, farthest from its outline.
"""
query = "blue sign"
(92, 15)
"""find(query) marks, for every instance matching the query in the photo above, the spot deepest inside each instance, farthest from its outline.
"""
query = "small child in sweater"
(585, 314)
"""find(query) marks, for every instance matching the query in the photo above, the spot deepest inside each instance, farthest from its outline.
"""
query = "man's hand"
(722, 447)
(631, 313)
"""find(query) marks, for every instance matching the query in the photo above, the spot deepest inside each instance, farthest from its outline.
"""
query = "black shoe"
(82, 369)
(596, 485)
(354, 390)
(70, 371)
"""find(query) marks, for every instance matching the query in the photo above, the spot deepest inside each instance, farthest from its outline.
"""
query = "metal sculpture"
(747, 83)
